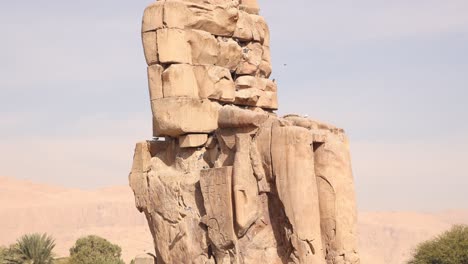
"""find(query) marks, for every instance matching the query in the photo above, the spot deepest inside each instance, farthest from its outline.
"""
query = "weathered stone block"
(271, 86)
(235, 117)
(173, 46)
(266, 56)
(263, 145)
(137, 178)
(293, 168)
(204, 47)
(182, 115)
(192, 140)
(177, 14)
(230, 53)
(218, 20)
(268, 100)
(257, 97)
(179, 80)
(153, 17)
(312, 125)
(247, 81)
(250, 6)
(244, 186)
(150, 47)
(245, 27)
(337, 198)
(216, 187)
(215, 83)
(264, 69)
(251, 59)
(145, 259)
(155, 81)
(248, 97)
(211, 2)
(262, 29)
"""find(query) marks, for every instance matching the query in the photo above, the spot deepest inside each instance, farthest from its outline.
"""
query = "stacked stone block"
(232, 182)
(206, 54)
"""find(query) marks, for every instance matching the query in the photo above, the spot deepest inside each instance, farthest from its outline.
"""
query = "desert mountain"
(67, 214)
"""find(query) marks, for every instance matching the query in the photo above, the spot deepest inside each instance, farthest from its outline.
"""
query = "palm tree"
(35, 249)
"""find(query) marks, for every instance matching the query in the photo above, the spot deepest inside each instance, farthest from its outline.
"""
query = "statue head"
(203, 54)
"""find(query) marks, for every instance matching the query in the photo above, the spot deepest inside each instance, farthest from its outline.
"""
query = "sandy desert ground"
(67, 214)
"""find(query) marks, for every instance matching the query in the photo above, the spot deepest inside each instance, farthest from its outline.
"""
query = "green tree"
(449, 248)
(31, 249)
(93, 250)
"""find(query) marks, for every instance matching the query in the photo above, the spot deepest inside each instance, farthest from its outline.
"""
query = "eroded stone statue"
(225, 180)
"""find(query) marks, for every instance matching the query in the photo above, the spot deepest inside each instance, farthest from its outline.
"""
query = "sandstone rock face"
(225, 180)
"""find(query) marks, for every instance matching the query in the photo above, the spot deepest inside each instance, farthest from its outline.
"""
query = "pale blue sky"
(394, 74)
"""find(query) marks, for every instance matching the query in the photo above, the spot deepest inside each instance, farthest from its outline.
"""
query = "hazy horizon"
(394, 75)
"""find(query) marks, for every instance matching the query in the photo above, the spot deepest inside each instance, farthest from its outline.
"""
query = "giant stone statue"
(225, 180)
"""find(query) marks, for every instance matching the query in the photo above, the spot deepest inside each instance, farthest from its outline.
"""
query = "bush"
(3, 254)
(449, 248)
(94, 249)
(9, 255)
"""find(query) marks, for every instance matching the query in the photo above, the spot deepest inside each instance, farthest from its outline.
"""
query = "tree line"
(451, 247)
(39, 249)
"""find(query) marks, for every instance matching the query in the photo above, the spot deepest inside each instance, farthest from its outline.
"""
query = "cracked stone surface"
(225, 179)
